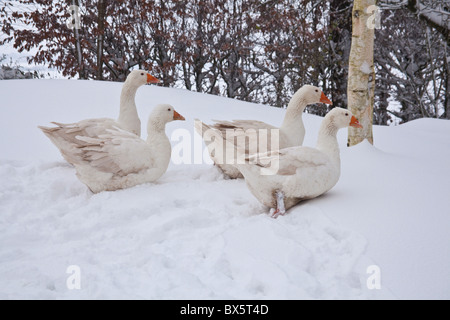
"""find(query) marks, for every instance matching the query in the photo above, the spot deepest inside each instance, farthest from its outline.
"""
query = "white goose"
(291, 132)
(128, 117)
(64, 135)
(303, 172)
(118, 159)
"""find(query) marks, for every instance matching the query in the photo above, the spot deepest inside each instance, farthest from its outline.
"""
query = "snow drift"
(194, 234)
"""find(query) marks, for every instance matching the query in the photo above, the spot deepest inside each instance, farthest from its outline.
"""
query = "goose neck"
(327, 140)
(127, 97)
(156, 127)
(295, 109)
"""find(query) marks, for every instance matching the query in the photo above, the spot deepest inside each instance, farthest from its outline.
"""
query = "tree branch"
(437, 18)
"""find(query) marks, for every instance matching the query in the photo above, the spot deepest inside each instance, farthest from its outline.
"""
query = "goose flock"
(109, 154)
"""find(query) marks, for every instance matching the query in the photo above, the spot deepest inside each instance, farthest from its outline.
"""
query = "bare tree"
(101, 7)
(435, 13)
(340, 37)
(410, 58)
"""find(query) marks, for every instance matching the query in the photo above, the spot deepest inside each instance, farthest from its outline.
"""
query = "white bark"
(361, 75)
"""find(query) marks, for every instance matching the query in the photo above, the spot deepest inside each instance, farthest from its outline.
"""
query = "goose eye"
(169, 109)
(142, 74)
(346, 114)
(317, 90)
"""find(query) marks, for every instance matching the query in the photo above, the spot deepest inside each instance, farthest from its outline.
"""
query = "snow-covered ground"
(196, 235)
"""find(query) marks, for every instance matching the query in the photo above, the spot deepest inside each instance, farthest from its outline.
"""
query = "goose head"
(342, 118)
(141, 77)
(312, 94)
(164, 113)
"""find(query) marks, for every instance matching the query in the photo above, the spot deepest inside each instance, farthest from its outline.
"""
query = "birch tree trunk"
(361, 73)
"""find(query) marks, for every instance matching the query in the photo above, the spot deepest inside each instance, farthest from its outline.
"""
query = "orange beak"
(355, 123)
(324, 99)
(177, 116)
(152, 79)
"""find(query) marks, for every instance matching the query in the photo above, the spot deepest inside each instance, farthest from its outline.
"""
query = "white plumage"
(290, 134)
(299, 173)
(117, 159)
(63, 135)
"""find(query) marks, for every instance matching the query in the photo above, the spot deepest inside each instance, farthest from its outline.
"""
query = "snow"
(194, 234)
(365, 68)
(438, 15)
